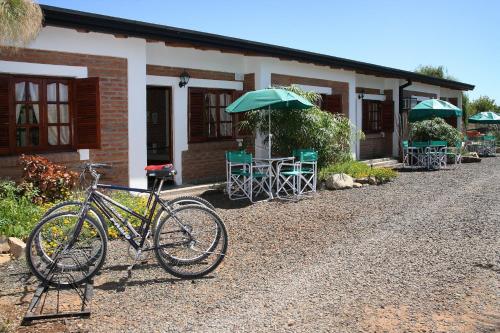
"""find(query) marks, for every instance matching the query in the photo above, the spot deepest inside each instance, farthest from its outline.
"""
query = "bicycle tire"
(181, 201)
(190, 200)
(77, 281)
(167, 262)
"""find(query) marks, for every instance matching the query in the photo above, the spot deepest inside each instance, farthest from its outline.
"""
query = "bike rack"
(43, 307)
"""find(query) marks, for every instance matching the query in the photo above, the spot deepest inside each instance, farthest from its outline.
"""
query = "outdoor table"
(482, 147)
(273, 163)
(425, 154)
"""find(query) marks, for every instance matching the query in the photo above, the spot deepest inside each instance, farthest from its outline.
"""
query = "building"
(107, 89)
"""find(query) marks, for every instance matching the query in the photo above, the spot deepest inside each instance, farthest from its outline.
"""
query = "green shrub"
(383, 175)
(435, 129)
(358, 169)
(330, 135)
(18, 213)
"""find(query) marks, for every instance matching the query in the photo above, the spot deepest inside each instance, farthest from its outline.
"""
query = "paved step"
(386, 162)
(178, 191)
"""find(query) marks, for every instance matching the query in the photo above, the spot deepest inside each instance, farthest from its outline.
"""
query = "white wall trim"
(374, 97)
(420, 98)
(29, 68)
(316, 89)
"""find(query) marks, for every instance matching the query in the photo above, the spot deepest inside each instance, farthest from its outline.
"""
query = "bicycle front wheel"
(191, 241)
(55, 260)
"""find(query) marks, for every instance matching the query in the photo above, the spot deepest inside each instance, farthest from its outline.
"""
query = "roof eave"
(66, 18)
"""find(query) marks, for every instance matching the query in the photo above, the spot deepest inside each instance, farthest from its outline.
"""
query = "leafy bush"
(53, 181)
(358, 169)
(18, 213)
(330, 135)
(435, 129)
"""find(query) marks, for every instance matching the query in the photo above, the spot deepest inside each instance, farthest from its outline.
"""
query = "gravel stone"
(419, 254)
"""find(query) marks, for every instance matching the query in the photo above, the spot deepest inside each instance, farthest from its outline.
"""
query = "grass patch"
(357, 169)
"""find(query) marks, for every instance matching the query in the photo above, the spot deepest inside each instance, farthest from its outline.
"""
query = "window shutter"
(364, 115)
(453, 100)
(332, 103)
(87, 120)
(4, 116)
(196, 132)
(388, 116)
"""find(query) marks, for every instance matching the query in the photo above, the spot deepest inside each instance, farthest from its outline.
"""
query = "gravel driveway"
(420, 254)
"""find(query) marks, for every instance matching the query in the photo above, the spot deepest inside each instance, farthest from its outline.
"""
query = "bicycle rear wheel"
(54, 262)
(190, 242)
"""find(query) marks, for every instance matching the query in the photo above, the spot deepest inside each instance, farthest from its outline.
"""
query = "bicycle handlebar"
(98, 166)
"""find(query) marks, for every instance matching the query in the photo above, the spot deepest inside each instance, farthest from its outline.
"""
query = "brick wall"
(337, 87)
(112, 72)
(409, 93)
(205, 161)
(193, 73)
(375, 146)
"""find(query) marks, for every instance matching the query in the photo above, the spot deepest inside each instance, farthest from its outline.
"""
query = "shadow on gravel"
(219, 200)
(124, 267)
(120, 285)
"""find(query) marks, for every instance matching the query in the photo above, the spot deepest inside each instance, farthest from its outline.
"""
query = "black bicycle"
(69, 247)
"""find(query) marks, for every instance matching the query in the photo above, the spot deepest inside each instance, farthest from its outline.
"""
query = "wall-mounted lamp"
(184, 79)
(362, 94)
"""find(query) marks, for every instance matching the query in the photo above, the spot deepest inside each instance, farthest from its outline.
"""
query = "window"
(372, 116)
(409, 103)
(208, 119)
(58, 114)
(42, 114)
(37, 114)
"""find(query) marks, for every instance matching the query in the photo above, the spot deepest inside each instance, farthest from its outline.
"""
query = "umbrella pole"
(270, 135)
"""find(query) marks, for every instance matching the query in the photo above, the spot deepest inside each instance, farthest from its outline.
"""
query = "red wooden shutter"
(195, 113)
(453, 101)
(364, 115)
(388, 116)
(451, 121)
(332, 103)
(4, 116)
(87, 120)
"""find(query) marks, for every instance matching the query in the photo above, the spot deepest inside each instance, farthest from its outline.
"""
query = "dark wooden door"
(159, 130)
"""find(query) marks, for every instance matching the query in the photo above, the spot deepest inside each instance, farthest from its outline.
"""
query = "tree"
(482, 104)
(20, 22)
(440, 71)
(330, 135)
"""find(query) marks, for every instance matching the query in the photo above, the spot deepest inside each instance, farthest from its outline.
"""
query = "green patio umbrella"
(485, 118)
(269, 99)
(433, 108)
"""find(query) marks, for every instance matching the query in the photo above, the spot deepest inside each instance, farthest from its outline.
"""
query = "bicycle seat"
(161, 170)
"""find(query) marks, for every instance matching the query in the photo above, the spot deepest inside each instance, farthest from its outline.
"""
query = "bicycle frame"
(105, 204)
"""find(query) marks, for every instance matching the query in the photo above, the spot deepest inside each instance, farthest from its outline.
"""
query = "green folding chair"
(245, 179)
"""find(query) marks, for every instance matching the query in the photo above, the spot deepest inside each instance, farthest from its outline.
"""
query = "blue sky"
(464, 36)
